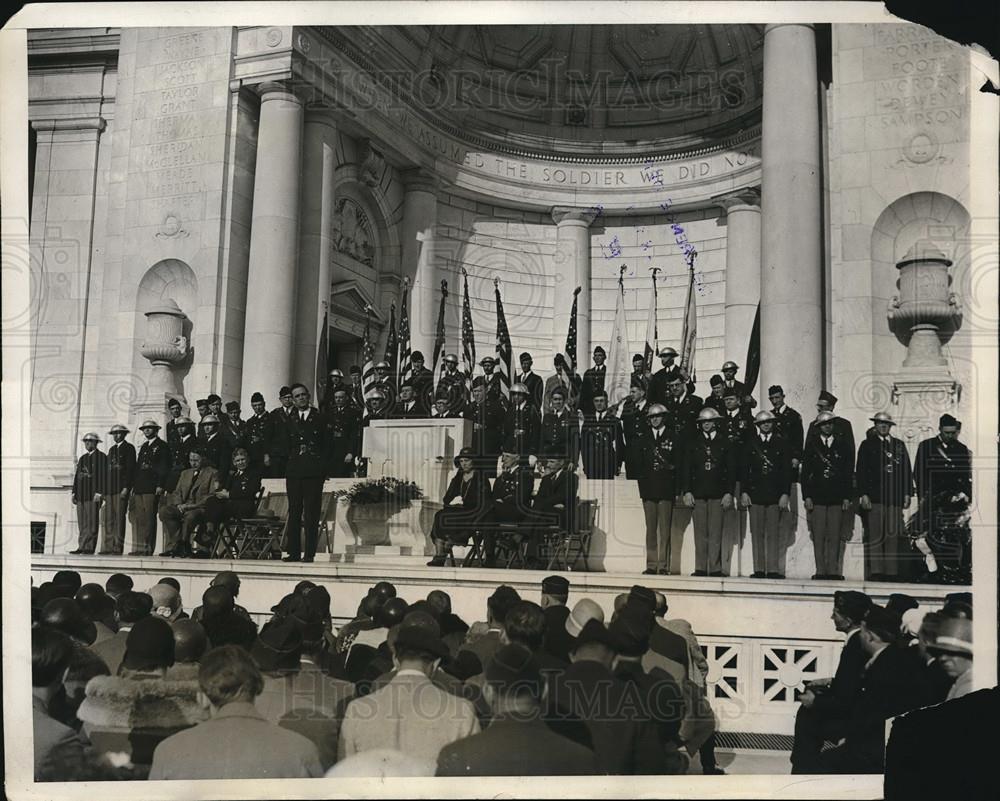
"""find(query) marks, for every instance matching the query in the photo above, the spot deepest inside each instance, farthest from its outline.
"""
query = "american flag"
(392, 343)
(368, 361)
(652, 333)
(405, 367)
(322, 360)
(436, 364)
(571, 335)
(504, 350)
(690, 331)
(468, 336)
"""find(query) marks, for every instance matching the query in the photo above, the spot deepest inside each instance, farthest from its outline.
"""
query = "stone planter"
(369, 523)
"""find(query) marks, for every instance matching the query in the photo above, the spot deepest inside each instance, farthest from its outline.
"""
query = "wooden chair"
(258, 537)
(227, 539)
(565, 548)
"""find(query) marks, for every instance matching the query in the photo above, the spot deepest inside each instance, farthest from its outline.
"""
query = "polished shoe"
(308, 558)
(820, 577)
(663, 571)
(715, 771)
(140, 553)
(774, 575)
(79, 552)
(437, 561)
(168, 553)
(758, 575)
(716, 574)
(290, 559)
(649, 571)
(836, 577)
(700, 573)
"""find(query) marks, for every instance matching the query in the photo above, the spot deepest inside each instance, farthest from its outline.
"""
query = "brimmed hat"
(518, 387)
(336, 371)
(184, 421)
(594, 631)
(763, 417)
(90, 435)
(656, 409)
(451, 357)
(630, 630)
(489, 359)
(118, 427)
(825, 417)
(883, 417)
(465, 453)
(382, 366)
(954, 637)
(730, 366)
(66, 615)
(585, 609)
(948, 420)
(667, 352)
(642, 595)
(278, 646)
(708, 413)
(555, 585)
(210, 419)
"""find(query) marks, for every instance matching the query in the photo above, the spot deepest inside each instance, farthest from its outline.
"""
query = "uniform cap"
(883, 623)
(668, 352)
(827, 397)
(210, 418)
(555, 585)
(486, 359)
(416, 356)
(638, 357)
(256, 398)
(825, 417)
(947, 420)
(91, 436)
(775, 389)
(599, 349)
(595, 631)
(201, 402)
(149, 424)
(715, 380)
(763, 417)
(452, 358)
(643, 596)
(730, 366)
(118, 427)
(518, 387)
(585, 610)
(354, 370)
(954, 637)
(630, 631)
(524, 356)
(284, 392)
(882, 417)
(232, 405)
(422, 639)
(375, 393)
(656, 409)
(708, 413)
(514, 667)
(730, 392)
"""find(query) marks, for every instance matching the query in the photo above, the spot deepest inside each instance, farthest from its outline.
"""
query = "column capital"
(277, 90)
(772, 26)
(72, 124)
(561, 214)
(741, 197)
(419, 179)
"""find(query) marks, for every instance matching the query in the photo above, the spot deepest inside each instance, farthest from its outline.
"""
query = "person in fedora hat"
(952, 650)
(827, 481)
(885, 487)
(522, 426)
(593, 380)
(152, 472)
(765, 487)
(120, 479)
(465, 503)
(89, 482)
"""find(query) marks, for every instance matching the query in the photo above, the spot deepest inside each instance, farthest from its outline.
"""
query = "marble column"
(791, 268)
(572, 270)
(315, 248)
(742, 269)
(274, 241)
(419, 219)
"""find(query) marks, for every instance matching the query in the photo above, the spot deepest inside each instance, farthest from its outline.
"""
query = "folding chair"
(568, 547)
(514, 553)
(259, 536)
(227, 545)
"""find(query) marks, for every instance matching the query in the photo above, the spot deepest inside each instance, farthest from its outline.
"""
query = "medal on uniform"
(708, 459)
(889, 460)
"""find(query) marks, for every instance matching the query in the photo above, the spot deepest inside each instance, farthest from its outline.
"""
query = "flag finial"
(577, 291)
(654, 271)
(496, 282)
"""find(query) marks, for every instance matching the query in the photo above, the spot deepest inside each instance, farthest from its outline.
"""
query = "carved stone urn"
(926, 313)
(165, 346)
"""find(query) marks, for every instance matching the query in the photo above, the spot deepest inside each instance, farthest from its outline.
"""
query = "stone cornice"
(562, 214)
(750, 196)
(80, 124)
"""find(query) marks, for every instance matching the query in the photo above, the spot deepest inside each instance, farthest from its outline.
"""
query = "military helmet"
(656, 409)
(668, 352)
(184, 421)
(149, 424)
(519, 387)
(91, 436)
(730, 366)
(708, 413)
(210, 418)
(825, 417)
(452, 358)
(336, 371)
(375, 393)
(118, 427)
(763, 417)
(883, 417)
(382, 366)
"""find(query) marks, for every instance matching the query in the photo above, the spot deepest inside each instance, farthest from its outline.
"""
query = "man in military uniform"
(602, 442)
(118, 486)
(344, 422)
(885, 487)
(152, 469)
(714, 399)
(174, 409)
(943, 465)
(827, 402)
(202, 406)
(531, 380)
(215, 448)
(511, 496)
(639, 375)
(827, 481)
(442, 408)
(661, 379)
(553, 504)
(307, 446)
(236, 496)
(181, 452)
(565, 379)
(787, 423)
(238, 425)
(259, 433)
(375, 400)
(487, 416)
(560, 429)
(386, 384)
(682, 409)
(279, 422)
(657, 488)
(89, 483)
(593, 381)
(422, 379)
(334, 381)
(706, 482)
(729, 382)
(635, 428)
(737, 422)
(224, 423)
(765, 487)
(522, 426)
(408, 406)
(452, 384)
(491, 378)
(357, 393)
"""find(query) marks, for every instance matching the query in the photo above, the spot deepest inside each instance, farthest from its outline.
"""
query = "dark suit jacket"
(602, 444)
(259, 432)
(766, 469)
(121, 466)
(658, 695)
(416, 411)
(515, 748)
(788, 423)
(839, 699)
(827, 474)
(593, 382)
(512, 493)
(658, 465)
(561, 435)
(941, 467)
(737, 427)
(306, 444)
(535, 386)
(522, 427)
(218, 452)
(344, 430)
(683, 414)
(557, 489)
(242, 487)
(487, 426)
(709, 468)
(91, 476)
(883, 472)
(475, 498)
(658, 391)
(558, 641)
(841, 426)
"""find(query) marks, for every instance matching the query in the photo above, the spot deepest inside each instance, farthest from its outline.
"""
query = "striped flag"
(405, 367)
(322, 361)
(468, 336)
(570, 353)
(652, 332)
(504, 349)
(392, 344)
(367, 361)
(690, 330)
(619, 375)
(436, 363)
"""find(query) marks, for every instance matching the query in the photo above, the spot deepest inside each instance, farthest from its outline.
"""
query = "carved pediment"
(349, 299)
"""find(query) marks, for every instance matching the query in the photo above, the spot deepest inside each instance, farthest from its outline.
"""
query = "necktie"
(303, 416)
(826, 441)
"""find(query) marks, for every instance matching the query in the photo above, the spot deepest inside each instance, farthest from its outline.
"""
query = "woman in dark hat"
(465, 502)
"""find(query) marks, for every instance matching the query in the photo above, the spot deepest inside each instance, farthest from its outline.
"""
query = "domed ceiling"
(572, 88)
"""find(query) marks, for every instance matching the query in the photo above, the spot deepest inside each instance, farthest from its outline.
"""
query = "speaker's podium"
(422, 451)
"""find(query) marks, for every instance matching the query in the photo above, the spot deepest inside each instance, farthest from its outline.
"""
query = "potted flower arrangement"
(371, 502)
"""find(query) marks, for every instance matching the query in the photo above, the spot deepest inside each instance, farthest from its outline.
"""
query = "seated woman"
(465, 502)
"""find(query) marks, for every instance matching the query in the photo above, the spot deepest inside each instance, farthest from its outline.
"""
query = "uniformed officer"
(89, 482)
(375, 400)
(408, 406)
(237, 425)
(151, 472)
(491, 378)
(827, 402)
(487, 416)
(885, 487)
(174, 409)
(560, 429)
(765, 487)
(714, 399)
(237, 493)
(661, 379)
(279, 422)
(602, 442)
(706, 482)
(511, 494)
(682, 408)
(224, 423)
(181, 452)
(344, 422)
(593, 381)
(943, 465)
(564, 378)
(259, 432)
(202, 406)
(639, 375)
(729, 382)
(357, 393)
(385, 383)
(452, 384)
(422, 379)
(522, 428)
(120, 479)
(787, 423)
(635, 428)
(736, 420)
(215, 448)
(334, 381)
(827, 481)
(531, 380)
(658, 488)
